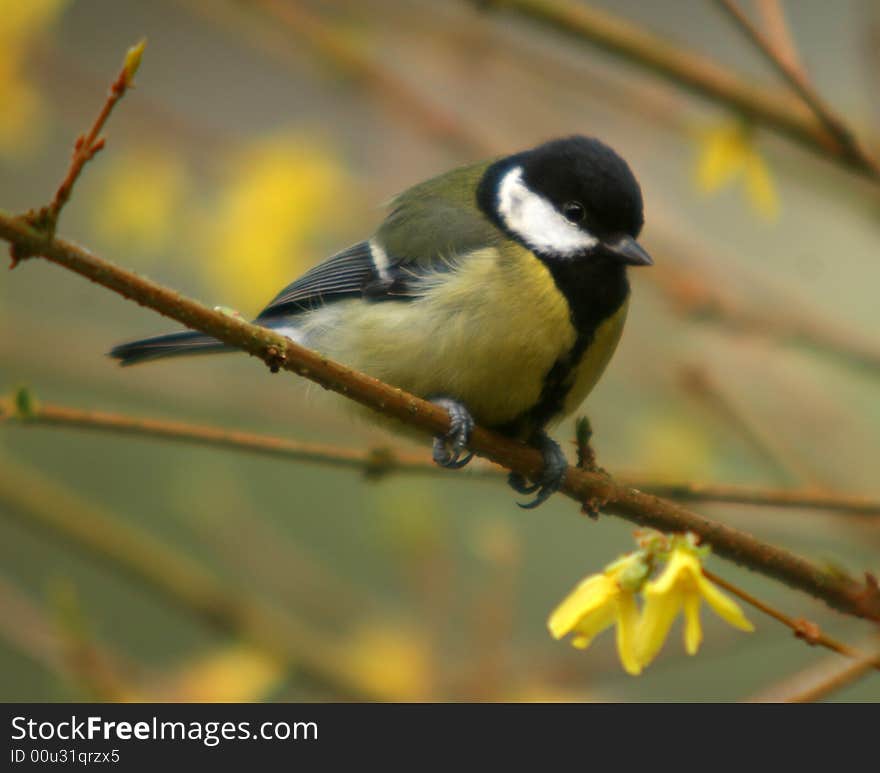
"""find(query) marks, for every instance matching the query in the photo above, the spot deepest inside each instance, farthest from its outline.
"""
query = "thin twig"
(803, 629)
(839, 679)
(773, 17)
(382, 461)
(278, 352)
(89, 144)
(820, 678)
(846, 139)
(695, 72)
(801, 499)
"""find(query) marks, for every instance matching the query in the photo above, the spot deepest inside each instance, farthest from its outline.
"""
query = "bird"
(497, 290)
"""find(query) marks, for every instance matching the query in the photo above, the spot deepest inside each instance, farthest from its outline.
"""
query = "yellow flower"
(22, 112)
(389, 661)
(599, 602)
(141, 201)
(682, 585)
(282, 191)
(729, 152)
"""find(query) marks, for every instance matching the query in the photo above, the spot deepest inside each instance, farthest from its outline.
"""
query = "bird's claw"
(555, 465)
(448, 448)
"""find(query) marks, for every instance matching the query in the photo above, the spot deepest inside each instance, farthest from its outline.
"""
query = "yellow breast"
(485, 334)
(595, 360)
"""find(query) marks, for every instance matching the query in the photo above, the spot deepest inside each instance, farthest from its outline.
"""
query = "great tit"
(497, 290)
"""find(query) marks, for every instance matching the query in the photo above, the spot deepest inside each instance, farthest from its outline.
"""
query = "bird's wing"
(429, 226)
(341, 276)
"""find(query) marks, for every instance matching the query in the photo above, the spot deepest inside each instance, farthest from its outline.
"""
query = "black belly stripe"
(595, 290)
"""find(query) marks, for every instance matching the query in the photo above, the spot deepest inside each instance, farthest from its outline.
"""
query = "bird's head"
(568, 199)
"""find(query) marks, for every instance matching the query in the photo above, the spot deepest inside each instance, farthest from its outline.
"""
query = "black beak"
(627, 250)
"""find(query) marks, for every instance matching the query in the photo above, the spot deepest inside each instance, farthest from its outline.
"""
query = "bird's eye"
(573, 211)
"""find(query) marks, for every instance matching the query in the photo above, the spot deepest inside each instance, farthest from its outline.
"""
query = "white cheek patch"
(536, 221)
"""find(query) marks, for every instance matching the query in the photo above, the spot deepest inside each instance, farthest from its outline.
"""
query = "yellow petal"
(682, 565)
(627, 630)
(141, 200)
(659, 612)
(760, 188)
(725, 607)
(593, 623)
(693, 634)
(592, 593)
(722, 157)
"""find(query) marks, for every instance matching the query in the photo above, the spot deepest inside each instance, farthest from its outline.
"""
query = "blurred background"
(261, 137)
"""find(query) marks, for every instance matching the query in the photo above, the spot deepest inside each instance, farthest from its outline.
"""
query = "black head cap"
(583, 179)
(587, 171)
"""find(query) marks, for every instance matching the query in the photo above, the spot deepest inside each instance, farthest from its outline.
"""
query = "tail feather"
(171, 345)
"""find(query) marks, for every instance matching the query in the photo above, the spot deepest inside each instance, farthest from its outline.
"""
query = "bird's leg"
(449, 447)
(555, 465)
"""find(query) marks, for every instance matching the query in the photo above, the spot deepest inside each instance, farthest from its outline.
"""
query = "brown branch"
(796, 78)
(773, 17)
(379, 461)
(371, 73)
(803, 629)
(373, 462)
(695, 72)
(277, 352)
(804, 499)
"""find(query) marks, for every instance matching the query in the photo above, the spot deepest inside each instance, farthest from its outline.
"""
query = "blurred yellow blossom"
(682, 585)
(282, 192)
(673, 447)
(390, 661)
(141, 199)
(600, 601)
(233, 674)
(21, 114)
(728, 152)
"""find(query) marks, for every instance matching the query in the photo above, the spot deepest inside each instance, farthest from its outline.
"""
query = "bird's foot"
(555, 465)
(448, 448)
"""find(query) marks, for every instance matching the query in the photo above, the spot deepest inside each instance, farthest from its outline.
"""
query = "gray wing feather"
(428, 228)
(343, 275)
